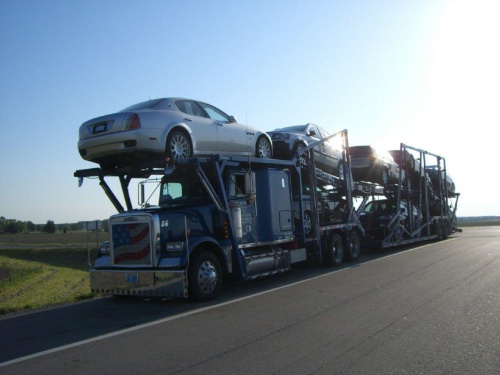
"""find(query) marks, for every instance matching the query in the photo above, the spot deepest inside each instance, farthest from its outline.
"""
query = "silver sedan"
(173, 127)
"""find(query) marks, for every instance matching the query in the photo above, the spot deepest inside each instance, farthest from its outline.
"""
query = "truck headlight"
(175, 248)
(104, 248)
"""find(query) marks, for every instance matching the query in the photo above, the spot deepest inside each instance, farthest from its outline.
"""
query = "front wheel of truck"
(204, 277)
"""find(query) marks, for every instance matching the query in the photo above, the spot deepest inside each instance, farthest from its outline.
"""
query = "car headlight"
(280, 136)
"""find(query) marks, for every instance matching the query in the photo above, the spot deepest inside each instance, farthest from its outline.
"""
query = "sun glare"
(463, 76)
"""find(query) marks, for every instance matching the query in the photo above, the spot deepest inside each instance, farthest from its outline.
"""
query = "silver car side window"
(214, 113)
(189, 107)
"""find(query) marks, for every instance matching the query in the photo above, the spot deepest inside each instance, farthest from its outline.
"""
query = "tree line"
(14, 226)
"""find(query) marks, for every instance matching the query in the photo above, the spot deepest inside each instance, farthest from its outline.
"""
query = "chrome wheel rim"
(337, 250)
(207, 277)
(264, 149)
(355, 246)
(179, 147)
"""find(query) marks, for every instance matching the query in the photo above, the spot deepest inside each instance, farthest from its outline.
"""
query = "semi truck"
(224, 217)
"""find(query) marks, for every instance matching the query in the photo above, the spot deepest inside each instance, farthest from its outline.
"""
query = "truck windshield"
(181, 191)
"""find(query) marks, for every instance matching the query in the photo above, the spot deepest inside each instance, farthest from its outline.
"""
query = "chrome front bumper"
(139, 283)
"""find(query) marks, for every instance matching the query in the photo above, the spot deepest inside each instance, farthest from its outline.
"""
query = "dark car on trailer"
(373, 165)
(433, 172)
(288, 140)
(377, 214)
(331, 207)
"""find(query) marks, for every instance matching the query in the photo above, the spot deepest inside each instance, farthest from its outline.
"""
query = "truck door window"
(170, 191)
(237, 186)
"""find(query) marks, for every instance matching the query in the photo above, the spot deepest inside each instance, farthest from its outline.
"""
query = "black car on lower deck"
(377, 214)
(288, 140)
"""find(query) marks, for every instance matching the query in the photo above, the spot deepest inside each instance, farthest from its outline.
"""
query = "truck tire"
(446, 229)
(178, 145)
(439, 230)
(353, 246)
(204, 277)
(334, 250)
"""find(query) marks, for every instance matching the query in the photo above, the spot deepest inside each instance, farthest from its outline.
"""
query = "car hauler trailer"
(416, 209)
(246, 218)
(223, 216)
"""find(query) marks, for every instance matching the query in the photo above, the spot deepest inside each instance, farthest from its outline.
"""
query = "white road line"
(183, 315)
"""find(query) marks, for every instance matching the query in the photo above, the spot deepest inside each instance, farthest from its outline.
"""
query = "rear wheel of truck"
(353, 246)
(446, 229)
(439, 230)
(334, 251)
(204, 277)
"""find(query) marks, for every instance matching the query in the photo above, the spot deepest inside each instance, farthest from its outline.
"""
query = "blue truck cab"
(213, 220)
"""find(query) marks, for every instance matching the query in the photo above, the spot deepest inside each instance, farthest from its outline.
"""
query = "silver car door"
(203, 128)
(232, 138)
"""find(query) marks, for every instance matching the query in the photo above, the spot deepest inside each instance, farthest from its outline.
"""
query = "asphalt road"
(431, 309)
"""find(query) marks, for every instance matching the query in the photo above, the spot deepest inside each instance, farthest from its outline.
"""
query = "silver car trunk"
(104, 125)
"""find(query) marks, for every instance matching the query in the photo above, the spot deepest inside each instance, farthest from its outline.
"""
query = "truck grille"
(131, 244)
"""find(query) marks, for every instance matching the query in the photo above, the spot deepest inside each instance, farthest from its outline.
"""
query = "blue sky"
(420, 72)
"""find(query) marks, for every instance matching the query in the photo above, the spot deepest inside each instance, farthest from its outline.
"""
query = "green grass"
(38, 270)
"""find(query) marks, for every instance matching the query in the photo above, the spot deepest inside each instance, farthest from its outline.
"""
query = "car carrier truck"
(245, 218)
(221, 217)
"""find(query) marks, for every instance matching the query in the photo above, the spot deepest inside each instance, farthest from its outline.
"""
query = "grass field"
(39, 269)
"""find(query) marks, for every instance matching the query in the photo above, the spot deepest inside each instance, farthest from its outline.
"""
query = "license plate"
(132, 278)
(101, 128)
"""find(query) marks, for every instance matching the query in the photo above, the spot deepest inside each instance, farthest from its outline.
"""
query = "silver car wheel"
(263, 149)
(178, 146)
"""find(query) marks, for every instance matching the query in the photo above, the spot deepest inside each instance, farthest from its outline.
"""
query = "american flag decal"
(131, 244)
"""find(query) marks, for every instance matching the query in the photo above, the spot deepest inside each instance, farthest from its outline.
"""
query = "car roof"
(296, 128)
(159, 103)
